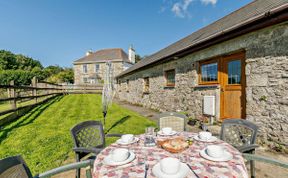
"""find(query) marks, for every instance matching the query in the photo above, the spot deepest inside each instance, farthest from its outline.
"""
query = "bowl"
(120, 154)
(167, 130)
(205, 135)
(170, 165)
(215, 151)
(127, 138)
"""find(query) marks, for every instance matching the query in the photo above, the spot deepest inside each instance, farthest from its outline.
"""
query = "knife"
(192, 170)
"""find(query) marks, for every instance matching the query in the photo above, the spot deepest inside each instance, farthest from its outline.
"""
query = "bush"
(20, 77)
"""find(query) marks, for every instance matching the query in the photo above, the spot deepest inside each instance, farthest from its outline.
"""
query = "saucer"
(162, 134)
(120, 142)
(212, 139)
(109, 161)
(226, 156)
(180, 174)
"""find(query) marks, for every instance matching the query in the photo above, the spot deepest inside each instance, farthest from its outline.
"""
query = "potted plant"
(204, 122)
(192, 121)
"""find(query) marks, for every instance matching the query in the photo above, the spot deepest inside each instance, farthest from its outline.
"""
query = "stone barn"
(239, 61)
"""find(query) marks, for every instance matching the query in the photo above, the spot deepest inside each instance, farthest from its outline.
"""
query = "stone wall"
(118, 67)
(266, 82)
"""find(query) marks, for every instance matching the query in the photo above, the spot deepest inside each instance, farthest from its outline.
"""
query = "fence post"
(34, 84)
(12, 94)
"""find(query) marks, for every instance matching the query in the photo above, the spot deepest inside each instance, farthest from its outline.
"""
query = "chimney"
(131, 53)
(89, 52)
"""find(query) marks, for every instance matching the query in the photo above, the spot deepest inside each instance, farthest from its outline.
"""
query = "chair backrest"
(14, 167)
(174, 120)
(238, 132)
(88, 134)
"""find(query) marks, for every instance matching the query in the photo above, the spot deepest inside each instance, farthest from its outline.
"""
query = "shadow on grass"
(28, 118)
(121, 121)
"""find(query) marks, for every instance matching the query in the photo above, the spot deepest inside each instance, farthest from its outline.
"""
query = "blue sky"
(61, 31)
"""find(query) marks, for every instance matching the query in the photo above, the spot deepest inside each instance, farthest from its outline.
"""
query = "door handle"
(222, 89)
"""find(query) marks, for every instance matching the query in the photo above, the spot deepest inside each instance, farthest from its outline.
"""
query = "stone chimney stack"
(131, 53)
(89, 52)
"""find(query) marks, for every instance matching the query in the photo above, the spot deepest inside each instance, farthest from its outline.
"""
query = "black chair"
(15, 167)
(89, 137)
(241, 134)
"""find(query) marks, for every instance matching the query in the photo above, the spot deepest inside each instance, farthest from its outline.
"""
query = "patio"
(44, 155)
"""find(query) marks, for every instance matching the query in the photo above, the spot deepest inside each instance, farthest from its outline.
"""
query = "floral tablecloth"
(234, 168)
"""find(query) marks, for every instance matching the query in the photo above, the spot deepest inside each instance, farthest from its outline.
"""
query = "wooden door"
(233, 100)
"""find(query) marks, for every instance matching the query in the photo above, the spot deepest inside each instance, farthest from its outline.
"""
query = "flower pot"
(192, 122)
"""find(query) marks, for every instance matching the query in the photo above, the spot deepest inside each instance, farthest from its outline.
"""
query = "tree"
(22, 69)
(65, 76)
(137, 58)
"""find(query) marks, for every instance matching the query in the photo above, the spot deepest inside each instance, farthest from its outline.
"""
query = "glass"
(84, 68)
(97, 67)
(234, 72)
(146, 84)
(209, 72)
(149, 136)
(170, 77)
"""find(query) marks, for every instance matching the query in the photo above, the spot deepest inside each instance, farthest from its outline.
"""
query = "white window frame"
(97, 70)
(85, 68)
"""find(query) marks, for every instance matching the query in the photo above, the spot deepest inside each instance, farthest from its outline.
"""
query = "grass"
(43, 138)
(6, 105)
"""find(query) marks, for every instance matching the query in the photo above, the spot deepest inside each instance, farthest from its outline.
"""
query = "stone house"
(91, 68)
(240, 62)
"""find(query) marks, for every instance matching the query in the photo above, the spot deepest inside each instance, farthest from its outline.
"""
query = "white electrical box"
(209, 105)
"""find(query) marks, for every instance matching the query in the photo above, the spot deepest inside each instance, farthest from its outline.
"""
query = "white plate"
(109, 161)
(180, 174)
(212, 139)
(172, 133)
(120, 142)
(226, 156)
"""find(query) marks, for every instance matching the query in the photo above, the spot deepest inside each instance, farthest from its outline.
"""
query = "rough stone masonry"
(266, 82)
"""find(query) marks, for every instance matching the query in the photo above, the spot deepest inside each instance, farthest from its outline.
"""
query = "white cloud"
(206, 2)
(180, 9)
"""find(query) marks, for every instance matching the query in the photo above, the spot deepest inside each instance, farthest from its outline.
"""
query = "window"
(209, 72)
(170, 77)
(146, 85)
(85, 80)
(127, 85)
(97, 67)
(84, 68)
(234, 72)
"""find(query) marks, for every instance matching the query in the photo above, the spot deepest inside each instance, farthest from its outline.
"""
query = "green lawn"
(6, 105)
(43, 137)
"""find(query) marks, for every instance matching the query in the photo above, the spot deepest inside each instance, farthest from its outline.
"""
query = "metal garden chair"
(253, 157)
(89, 137)
(15, 167)
(174, 120)
(241, 134)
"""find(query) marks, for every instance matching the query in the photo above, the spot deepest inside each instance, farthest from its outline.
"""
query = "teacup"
(205, 135)
(170, 165)
(167, 130)
(127, 138)
(215, 151)
(120, 154)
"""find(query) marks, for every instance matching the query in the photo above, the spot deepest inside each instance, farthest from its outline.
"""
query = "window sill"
(207, 86)
(169, 87)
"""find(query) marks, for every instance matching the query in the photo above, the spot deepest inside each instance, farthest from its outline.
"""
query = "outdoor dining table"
(203, 168)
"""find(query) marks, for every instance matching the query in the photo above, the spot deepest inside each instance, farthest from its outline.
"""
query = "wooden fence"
(15, 100)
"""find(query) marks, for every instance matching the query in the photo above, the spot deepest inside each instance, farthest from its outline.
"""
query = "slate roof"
(244, 15)
(113, 54)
